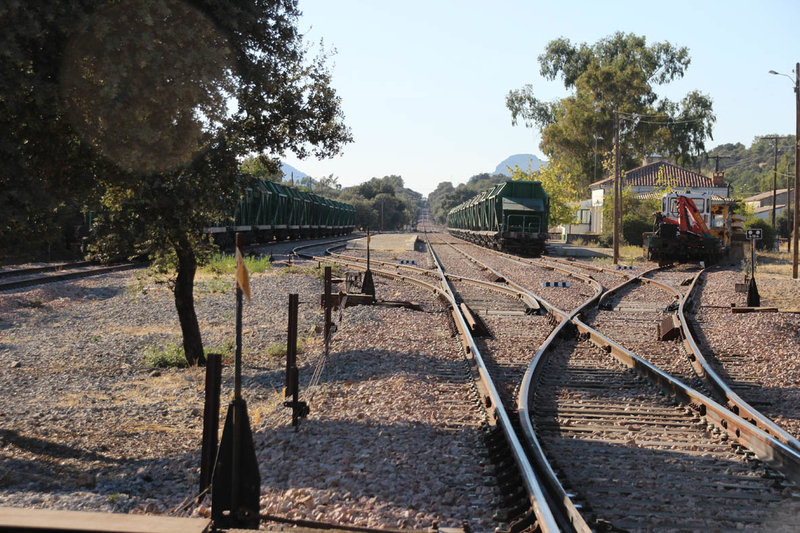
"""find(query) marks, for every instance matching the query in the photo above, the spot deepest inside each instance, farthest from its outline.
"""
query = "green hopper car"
(511, 216)
(270, 210)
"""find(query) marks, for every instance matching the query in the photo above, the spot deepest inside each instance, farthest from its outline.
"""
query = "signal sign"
(754, 234)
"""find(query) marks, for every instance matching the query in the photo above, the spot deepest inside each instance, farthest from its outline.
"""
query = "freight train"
(271, 210)
(511, 216)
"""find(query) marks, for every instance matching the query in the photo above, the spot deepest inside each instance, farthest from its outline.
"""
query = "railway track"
(636, 459)
(683, 433)
(28, 277)
(606, 425)
(520, 502)
(618, 442)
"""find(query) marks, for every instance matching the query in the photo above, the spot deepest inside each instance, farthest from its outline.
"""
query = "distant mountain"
(288, 170)
(520, 160)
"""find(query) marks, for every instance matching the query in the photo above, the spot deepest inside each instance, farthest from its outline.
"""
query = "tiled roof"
(657, 194)
(766, 208)
(658, 174)
(764, 195)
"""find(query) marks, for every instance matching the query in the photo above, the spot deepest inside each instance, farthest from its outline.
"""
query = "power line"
(717, 158)
(666, 121)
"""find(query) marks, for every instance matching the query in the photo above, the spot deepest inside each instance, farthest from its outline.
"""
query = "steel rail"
(765, 446)
(569, 512)
(549, 306)
(40, 280)
(703, 369)
(46, 268)
(296, 249)
(705, 372)
(541, 508)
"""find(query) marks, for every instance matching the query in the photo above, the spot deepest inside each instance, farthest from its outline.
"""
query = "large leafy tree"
(617, 74)
(152, 102)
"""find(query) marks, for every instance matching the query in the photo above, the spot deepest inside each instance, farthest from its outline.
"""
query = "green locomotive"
(511, 216)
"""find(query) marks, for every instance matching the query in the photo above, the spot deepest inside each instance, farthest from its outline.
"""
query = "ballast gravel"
(393, 438)
(758, 353)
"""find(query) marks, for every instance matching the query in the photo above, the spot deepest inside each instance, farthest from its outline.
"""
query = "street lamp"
(796, 82)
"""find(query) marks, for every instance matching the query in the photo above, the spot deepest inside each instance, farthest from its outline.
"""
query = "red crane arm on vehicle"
(687, 212)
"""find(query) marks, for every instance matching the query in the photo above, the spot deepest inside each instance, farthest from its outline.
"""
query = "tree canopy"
(141, 109)
(382, 204)
(445, 196)
(560, 187)
(618, 73)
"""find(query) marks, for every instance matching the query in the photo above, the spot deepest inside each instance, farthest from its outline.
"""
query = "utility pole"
(796, 165)
(594, 172)
(774, 178)
(716, 159)
(789, 209)
(617, 199)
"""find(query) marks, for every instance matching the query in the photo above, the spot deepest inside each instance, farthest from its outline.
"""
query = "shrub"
(168, 356)
(632, 228)
(225, 264)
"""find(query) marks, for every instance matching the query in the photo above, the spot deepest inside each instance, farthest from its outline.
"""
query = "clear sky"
(423, 83)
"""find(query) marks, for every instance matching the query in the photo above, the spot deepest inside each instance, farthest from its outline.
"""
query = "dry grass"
(775, 283)
(628, 255)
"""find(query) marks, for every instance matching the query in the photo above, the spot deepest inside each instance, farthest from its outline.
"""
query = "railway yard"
(549, 401)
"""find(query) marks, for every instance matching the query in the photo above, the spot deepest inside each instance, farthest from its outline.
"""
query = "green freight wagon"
(511, 216)
(270, 210)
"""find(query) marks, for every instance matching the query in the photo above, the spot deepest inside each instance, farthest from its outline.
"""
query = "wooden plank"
(754, 309)
(13, 519)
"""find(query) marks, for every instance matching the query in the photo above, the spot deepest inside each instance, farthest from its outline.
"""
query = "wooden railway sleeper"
(526, 522)
(510, 515)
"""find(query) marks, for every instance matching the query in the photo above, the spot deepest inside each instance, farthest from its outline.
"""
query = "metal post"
(368, 285)
(327, 309)
(237, 376)
(775, 182)
(753, 298)
(617, 200)
(236, 483)
(796, 166)
(295, 376)
(210, 419)
(788, 211)
(291, 343)
(237, 396)
(299, 409)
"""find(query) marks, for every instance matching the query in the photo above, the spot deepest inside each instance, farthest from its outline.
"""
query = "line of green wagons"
(511, 216)
(271, 210)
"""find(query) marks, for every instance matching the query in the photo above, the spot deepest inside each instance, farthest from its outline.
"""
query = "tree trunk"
(184, 303)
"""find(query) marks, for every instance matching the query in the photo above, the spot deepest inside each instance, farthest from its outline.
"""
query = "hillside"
(750, 170)
(520, 160)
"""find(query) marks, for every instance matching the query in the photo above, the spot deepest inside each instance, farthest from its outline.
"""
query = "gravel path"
(391, 441)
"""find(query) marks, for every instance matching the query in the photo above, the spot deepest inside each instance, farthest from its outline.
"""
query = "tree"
(615, 74)
(155, 101)
(261, 167)
(446, 197)
(560, 184)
